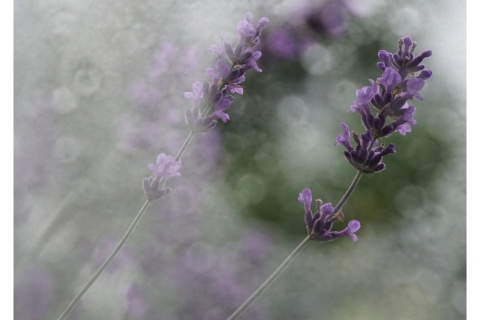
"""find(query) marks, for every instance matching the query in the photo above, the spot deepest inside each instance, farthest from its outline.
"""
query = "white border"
(473, 160)
(6, 143)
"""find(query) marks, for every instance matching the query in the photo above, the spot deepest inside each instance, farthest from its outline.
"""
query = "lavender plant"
(383, 106)
(210, 101)
(384, 109)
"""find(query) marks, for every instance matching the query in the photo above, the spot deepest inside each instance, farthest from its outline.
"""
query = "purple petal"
(326, 211)
(306, 198)
(344, 138)
(389, 79)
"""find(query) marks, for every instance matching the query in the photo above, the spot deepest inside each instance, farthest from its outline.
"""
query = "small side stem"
(107, 262)
(270, 279)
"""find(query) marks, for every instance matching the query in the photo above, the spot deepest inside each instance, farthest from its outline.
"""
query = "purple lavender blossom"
(389, 96)
(319, 225)
(164, 167)
(227, 75)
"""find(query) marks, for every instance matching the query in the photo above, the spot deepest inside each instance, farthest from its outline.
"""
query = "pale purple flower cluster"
(320, 223)
(305, 25)
(389, 97)
(212, 98)
(164, 167)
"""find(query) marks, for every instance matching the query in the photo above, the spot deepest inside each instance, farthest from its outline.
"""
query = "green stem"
(106, 263)
(270, 279)
(185, 145)
(348, 193)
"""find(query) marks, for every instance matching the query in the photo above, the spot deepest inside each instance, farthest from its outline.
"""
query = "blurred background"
(99, 94)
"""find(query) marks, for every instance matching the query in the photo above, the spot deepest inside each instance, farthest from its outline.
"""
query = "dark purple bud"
(244, 57)
(326, 210)
(309, 219)
(379, 167)
(415, 62)
(377, 124)
(388, 130)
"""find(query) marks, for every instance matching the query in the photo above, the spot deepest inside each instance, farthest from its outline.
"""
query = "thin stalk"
(352, 186)
(270, 279)
(348, 193)
(107, 262)
(184, 146)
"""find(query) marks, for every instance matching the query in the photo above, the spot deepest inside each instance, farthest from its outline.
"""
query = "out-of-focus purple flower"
(151, 102)
(319, 224)
(165, 166)
(137, 307)
(304, 26)
(329, 18)
(367, 156)
(193, 116)
(226, 76)
(34, 294)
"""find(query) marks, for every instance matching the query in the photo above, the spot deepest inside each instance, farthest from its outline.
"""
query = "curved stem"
(270, 279)
(107, 262)
(348, 193)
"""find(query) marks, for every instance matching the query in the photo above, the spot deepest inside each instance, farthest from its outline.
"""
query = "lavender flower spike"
(226, 76)
(320, 223)
(388, 96)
